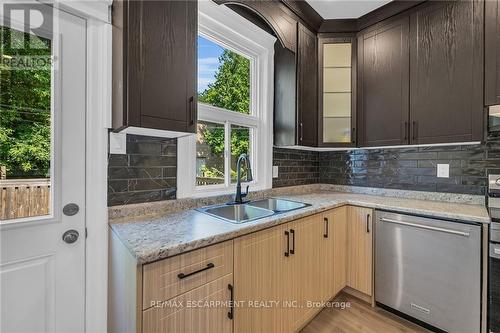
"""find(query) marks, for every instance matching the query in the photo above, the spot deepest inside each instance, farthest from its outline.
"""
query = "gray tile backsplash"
(147, 172)
(296, 167)
(414, 168)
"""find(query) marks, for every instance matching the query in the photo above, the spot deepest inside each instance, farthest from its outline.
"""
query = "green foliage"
(231, 91)
(212, 172)
(25, 98)
(214, 137)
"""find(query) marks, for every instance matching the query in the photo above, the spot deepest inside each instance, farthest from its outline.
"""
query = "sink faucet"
(238, 198)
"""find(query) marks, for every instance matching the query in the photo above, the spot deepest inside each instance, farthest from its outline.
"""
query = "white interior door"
(42, 276)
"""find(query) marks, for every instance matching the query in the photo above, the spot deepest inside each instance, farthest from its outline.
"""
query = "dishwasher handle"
(495, 251)
(427, 227)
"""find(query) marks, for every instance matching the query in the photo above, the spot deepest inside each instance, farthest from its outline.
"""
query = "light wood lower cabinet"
(204, 309)
(173, 276)
(293, 268)
(261, 274)
(360, 249)
(339, 234)
(282, 275)
(306, 276)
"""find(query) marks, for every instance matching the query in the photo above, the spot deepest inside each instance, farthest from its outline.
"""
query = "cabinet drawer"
(204, 309)
(162, 280)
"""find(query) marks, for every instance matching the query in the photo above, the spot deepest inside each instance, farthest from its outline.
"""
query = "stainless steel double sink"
(241, 213)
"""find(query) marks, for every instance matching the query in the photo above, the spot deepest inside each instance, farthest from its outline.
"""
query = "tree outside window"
(229, 90)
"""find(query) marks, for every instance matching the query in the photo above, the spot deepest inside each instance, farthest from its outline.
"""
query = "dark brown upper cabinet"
(295, 92)
(492, 53)
(446, 72)
(154, 57)
(307, 87)
(337, 90)
(383, 84)
(295, 67)
(277, 15)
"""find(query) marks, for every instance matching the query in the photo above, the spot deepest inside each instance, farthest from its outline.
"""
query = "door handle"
(292, 250)
(230, 314)
(287, 252)
(427, 227)
(368, 223)
(70, 236)
(301, 132)
(325, 235)
(191, 110)
(183, 276)
(71, 209)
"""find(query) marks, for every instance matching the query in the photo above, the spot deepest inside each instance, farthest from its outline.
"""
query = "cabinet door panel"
(307, 87)
(383, 62)
(337, 73)
(168, 62)
(261, 273)
(333, 267)
(176, 316)
(339, 234)
(446, 70)
(359, 249)
(492, 53)
(306, 261)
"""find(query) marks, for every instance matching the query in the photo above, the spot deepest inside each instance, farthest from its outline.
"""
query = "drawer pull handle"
(183, 276)
(292, 250)
(325, 235)
(287, 252)
(230, 314)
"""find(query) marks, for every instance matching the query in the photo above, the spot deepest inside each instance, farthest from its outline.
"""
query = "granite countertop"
(155, 238)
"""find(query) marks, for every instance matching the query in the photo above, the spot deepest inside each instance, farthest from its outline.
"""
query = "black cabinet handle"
(368, 223)
(191, 110)
(230, 314)
(183, 276)
(325, 235)
(287, 252)
(292, 250)
(414, 135)
(406, 131)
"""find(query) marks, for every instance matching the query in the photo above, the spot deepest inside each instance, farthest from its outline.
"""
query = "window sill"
(202, 192)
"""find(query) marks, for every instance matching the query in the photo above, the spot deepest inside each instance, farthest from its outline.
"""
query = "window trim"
(225, 27)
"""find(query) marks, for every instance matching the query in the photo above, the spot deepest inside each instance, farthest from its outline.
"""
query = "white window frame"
(228, 29)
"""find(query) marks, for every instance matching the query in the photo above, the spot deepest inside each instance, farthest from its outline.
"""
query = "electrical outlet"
(117, 143)
(275, 171)
(443, 170)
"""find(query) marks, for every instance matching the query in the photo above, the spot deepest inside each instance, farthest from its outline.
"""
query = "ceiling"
(344, 9)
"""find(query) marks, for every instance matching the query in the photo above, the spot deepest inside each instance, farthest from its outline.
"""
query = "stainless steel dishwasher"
(429, 269)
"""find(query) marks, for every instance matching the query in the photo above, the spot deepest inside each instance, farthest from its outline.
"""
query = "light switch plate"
(275, 171)
(443, 170)
(117, 143)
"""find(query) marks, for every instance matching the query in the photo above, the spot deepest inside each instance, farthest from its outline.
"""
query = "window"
(25, 124)
(235, 75)
(224, 84)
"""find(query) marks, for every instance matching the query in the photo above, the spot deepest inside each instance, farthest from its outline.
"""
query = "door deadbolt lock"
(70, 236)
(71, 209)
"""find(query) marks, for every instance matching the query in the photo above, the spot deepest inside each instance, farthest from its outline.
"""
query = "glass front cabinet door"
(337, 100)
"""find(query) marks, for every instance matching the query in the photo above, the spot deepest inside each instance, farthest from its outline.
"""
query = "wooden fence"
(24, 198)
(208, 181)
